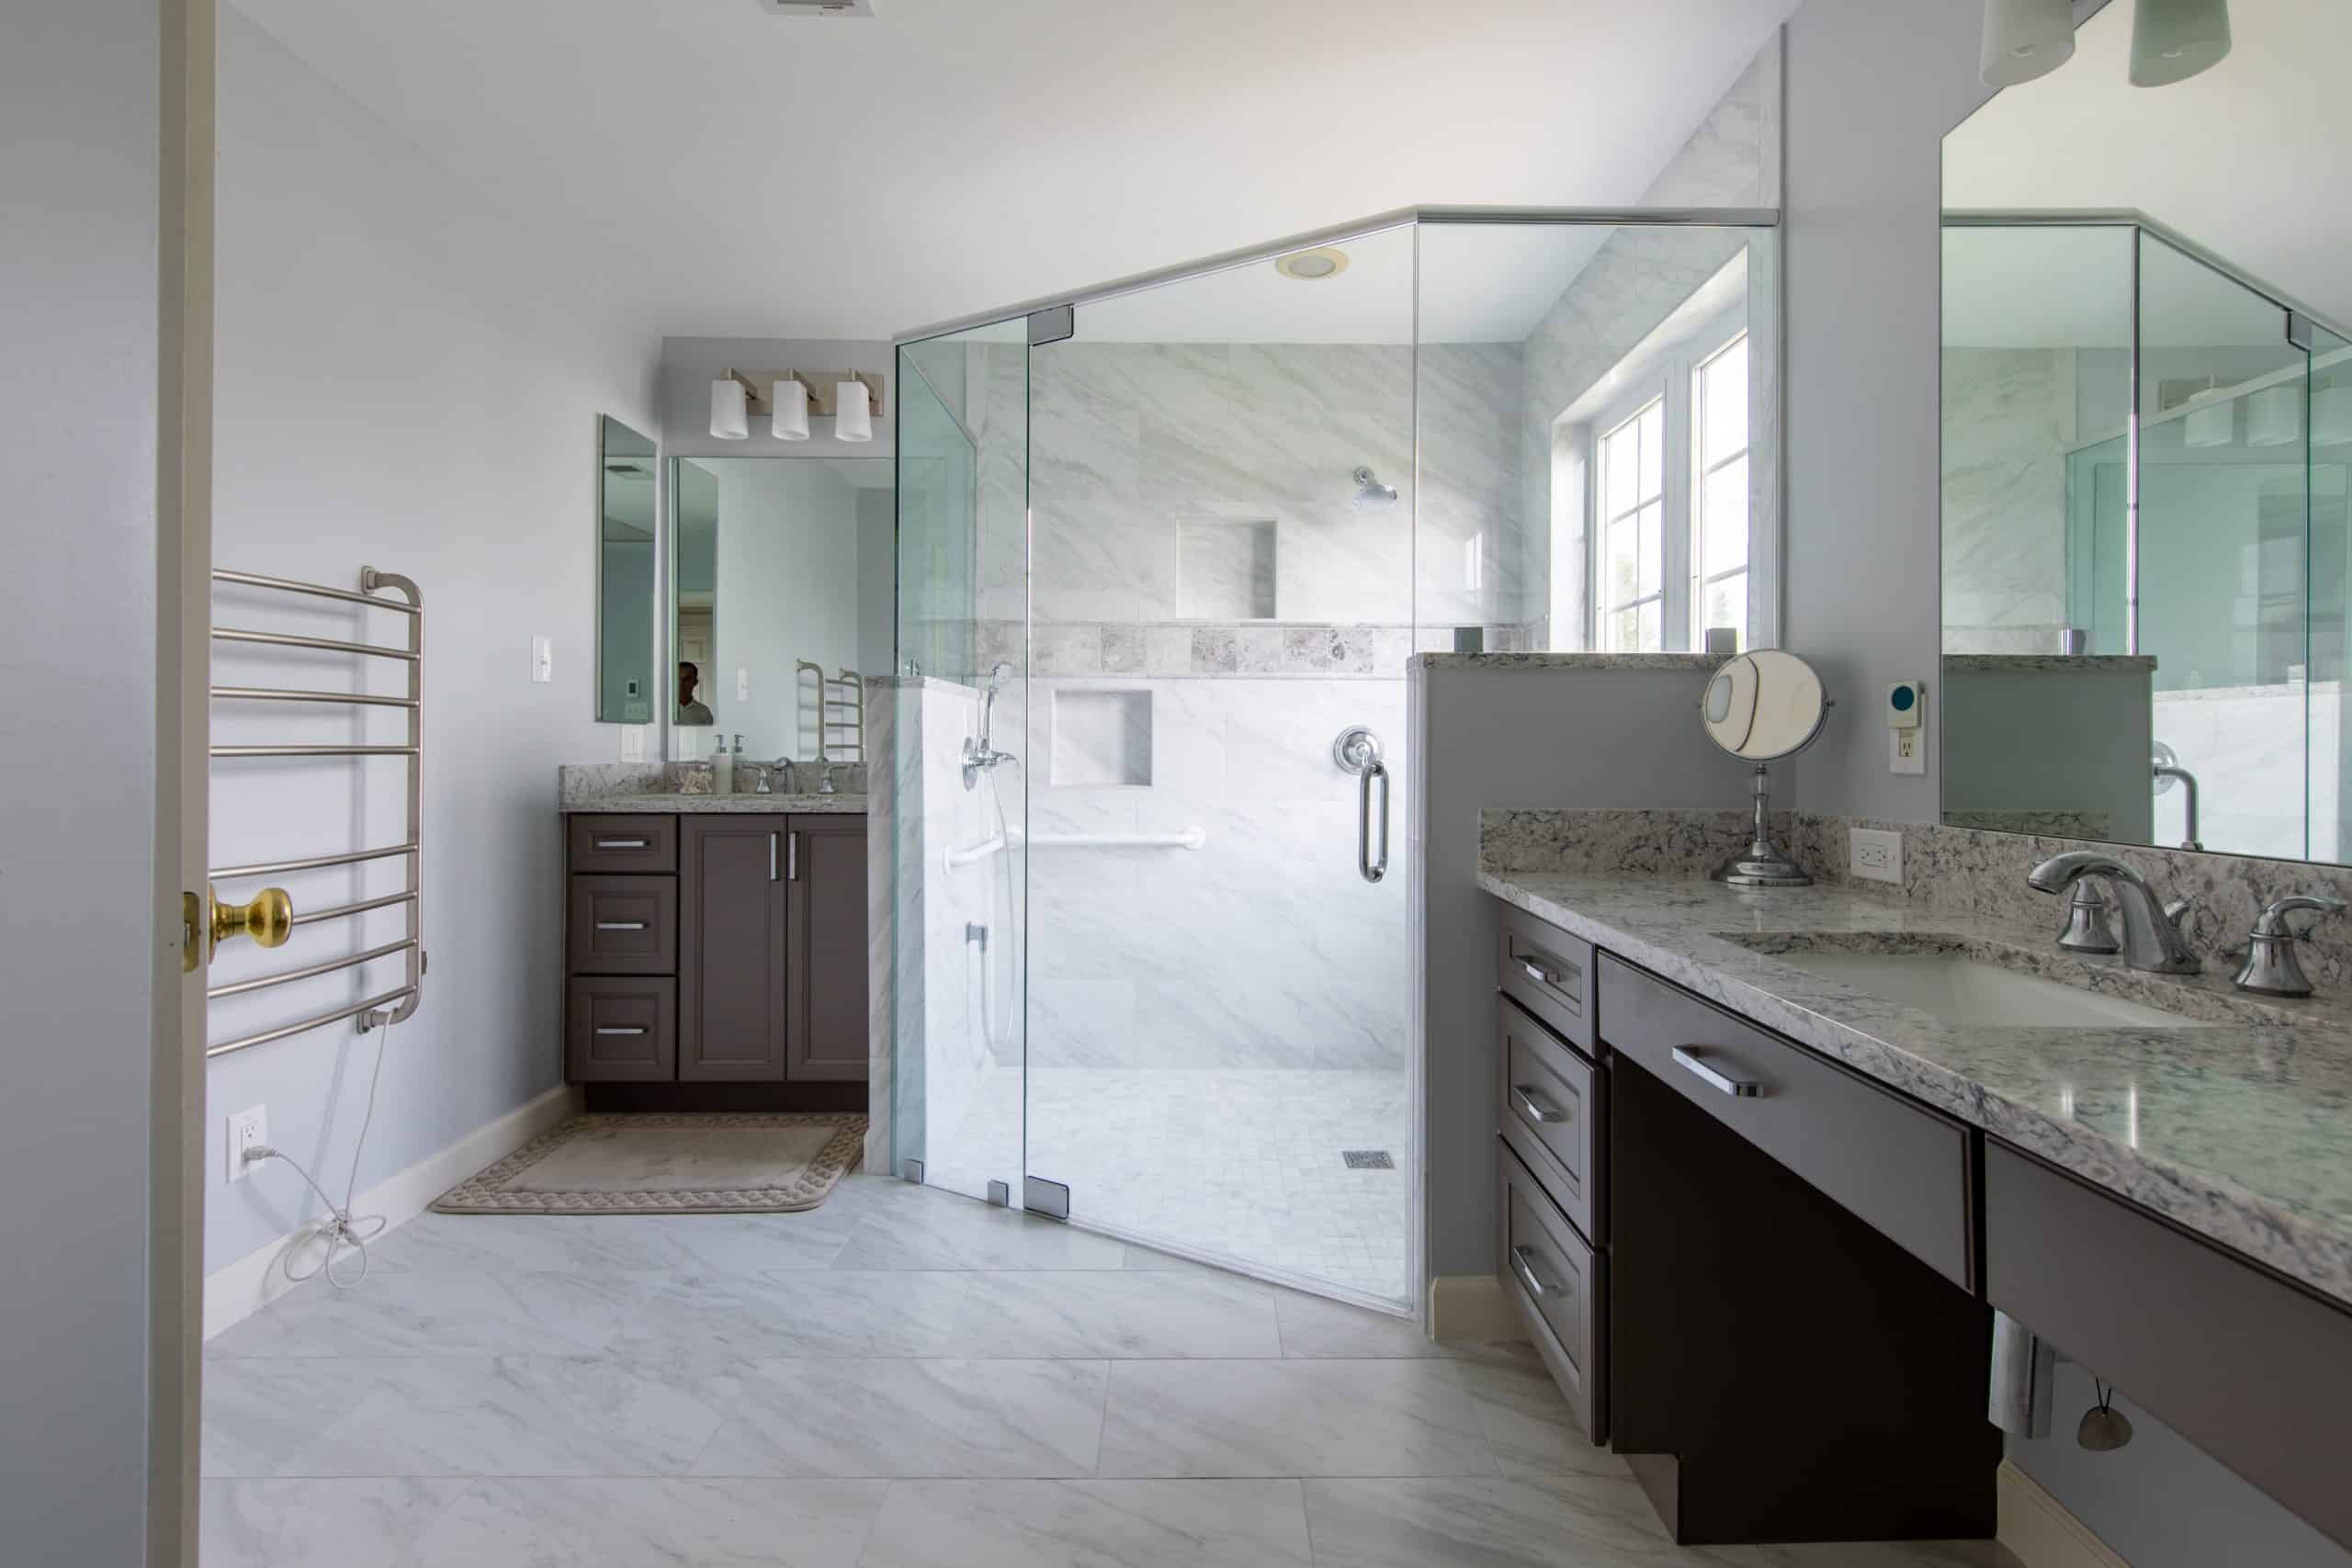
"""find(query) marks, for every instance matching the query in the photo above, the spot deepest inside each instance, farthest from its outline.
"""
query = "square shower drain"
(1367, 1159)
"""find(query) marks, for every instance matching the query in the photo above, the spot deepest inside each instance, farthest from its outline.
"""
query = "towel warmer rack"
(829, 703)
(397, 1005)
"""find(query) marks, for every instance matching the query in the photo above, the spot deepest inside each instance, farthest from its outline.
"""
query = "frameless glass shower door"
(958, 791)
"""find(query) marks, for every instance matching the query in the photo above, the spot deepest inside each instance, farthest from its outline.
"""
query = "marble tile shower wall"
(2009, 417)
(1263, 948)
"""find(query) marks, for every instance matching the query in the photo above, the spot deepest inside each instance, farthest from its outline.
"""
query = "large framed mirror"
(2147, 428)
(783, 583)
(627, 505)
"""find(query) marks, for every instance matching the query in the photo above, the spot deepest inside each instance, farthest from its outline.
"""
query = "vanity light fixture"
(730, 409)
(790, 419)
(2332, 416)
(854, 418)
(2174, 40)
(2023, 40)
(2210, 422)
(2274, 416)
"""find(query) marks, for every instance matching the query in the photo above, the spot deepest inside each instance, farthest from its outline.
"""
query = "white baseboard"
(255, 1280)
(1472, 1306)
(2037, 1529)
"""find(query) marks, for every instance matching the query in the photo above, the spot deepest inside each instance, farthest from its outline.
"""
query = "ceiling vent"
(819, 7)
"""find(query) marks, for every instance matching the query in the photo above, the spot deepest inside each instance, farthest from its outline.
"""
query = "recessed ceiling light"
(1313, 267)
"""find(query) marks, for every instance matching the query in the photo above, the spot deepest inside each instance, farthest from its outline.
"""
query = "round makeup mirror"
(1761, 707)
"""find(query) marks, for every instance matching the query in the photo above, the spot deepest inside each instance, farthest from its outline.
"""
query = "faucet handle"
(2271, 967)
(2272, 922)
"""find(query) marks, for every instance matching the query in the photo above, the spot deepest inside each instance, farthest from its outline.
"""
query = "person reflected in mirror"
(690, 710)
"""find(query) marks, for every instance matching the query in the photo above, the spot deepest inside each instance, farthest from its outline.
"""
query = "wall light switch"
(542, 660)
(742, 685)
(1875, 854)
(247, 1129)
(632, 743)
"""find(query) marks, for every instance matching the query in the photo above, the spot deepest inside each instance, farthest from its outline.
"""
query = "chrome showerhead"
(1371, 494)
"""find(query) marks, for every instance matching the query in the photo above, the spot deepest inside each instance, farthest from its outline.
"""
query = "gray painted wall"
(400, 384)
(1499, 735)
(1873, 88)
(79, 187)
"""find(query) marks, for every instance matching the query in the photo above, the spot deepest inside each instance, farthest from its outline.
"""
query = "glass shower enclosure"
(1167, 553)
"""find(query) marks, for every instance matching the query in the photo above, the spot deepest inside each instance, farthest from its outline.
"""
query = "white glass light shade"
(2210, 424)
(730, 410)
(2274, 416)
(853, 416)
(2024, 39)
(2332, 416)
(790, 421)
(2174, 40)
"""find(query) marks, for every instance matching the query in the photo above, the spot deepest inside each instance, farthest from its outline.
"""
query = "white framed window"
(1719, 491)
(1629, 480)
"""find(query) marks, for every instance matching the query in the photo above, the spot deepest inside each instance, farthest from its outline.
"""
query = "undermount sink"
(1971, 993)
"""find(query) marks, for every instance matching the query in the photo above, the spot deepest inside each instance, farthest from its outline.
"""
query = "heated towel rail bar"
(399, 1004)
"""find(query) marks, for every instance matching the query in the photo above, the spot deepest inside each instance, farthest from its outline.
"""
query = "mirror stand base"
(1764, 864)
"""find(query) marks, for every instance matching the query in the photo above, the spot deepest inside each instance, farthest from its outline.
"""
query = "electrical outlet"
(247, 1129)
(1907, 751)
(632, 743)
(1875, 855)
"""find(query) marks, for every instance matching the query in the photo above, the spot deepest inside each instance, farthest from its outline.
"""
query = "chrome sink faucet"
(2271, 967)
(2151, 939)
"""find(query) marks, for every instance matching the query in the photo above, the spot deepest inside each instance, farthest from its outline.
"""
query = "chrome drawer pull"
(1537, 973)
(621, 925)
(1536, 1109)
(618, 1028)
(1522, 1263)
(620, 844)
(1739, 1089)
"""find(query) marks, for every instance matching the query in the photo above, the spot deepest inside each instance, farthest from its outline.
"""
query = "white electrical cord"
(340, 1229)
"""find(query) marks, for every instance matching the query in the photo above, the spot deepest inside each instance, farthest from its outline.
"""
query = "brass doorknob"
(267, 917)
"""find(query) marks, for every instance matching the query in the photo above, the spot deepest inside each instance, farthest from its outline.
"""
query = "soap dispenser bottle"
(722, 768)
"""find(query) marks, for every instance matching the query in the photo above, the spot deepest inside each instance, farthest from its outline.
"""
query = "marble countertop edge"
(707, 805)
(2309, 1243)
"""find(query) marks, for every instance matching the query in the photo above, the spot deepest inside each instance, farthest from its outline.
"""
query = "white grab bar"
(1188, 838)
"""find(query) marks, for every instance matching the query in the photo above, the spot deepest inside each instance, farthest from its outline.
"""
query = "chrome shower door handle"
(1372, 866)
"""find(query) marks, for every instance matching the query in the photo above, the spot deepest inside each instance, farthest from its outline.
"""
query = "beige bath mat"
(666, 1164)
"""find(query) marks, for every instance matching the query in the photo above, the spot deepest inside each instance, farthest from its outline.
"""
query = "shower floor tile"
(1246, 1164)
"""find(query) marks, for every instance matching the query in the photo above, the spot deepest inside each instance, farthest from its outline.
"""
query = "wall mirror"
(782, 582)
(625, 506)
(2147, 426)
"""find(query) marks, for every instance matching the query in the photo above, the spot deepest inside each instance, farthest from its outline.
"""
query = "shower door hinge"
(1054, 323)
(1040, 1196)
(2299, 331)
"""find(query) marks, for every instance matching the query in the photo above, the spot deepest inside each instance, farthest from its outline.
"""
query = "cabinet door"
(826, 859)
(732, 919)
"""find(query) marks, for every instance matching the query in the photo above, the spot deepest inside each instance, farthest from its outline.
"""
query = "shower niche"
(1225, 570)
(1101, 739)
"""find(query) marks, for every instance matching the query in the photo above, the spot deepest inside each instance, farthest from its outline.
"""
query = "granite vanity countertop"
(2240, 1131)
(656, 803)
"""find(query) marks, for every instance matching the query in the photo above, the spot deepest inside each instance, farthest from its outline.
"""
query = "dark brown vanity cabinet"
(727, 947)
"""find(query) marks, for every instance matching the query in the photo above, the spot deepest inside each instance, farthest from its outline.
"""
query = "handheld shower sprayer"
(980, 753)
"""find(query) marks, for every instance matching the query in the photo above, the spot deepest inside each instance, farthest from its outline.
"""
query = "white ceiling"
(2247, 159)
(812, 178)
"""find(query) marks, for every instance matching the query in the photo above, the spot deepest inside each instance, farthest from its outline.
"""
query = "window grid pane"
(1719, 521)
(1633, 486)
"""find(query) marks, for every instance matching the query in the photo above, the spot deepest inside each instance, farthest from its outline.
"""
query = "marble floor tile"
(1484, 1522)
(1318, 1326)
(442, 1315)
(1117, 1313)
(908, 1417)
(932, 1229)
(373, 1522)
(1294, 1417)
(721, 1322)
(635, 1523)
(582, 1244)
(258, 1415)
(1091, 1524)
(1527, 1422)
(511, 1415)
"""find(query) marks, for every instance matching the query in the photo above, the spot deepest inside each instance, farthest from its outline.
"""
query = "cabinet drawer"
(2253, 1370)
(1899, 1167)
(1555, 1280)
(620, 1029)
(1549, 973)
(623, 925)
(624, 844)
(1551, 1116)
